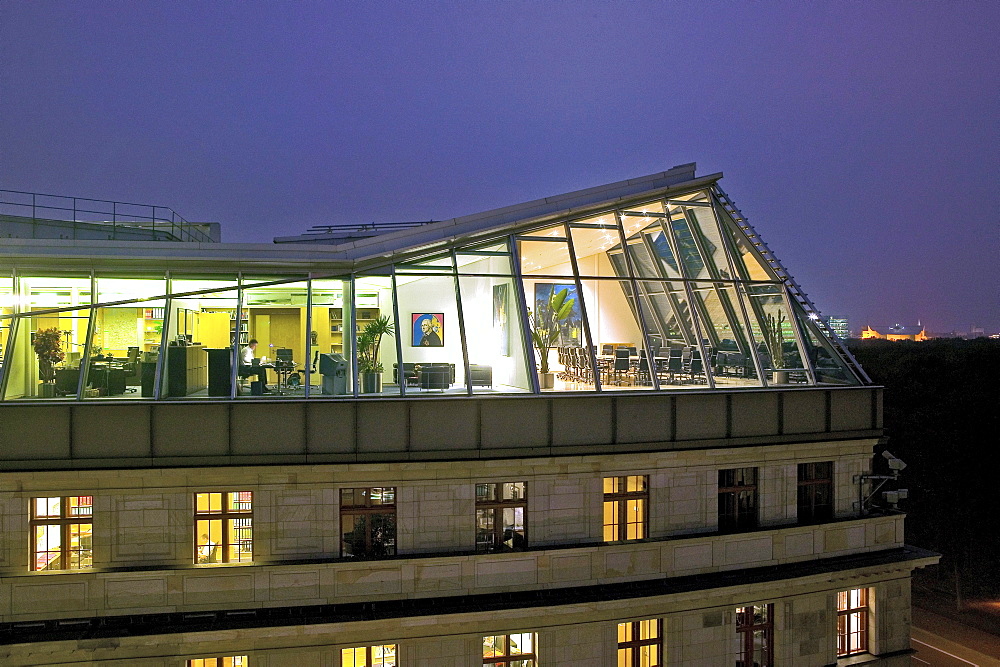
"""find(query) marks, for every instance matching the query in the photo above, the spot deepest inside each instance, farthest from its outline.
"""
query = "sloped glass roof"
(667, 294)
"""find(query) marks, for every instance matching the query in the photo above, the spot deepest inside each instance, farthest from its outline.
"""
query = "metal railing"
(115, 214)
(371, 227)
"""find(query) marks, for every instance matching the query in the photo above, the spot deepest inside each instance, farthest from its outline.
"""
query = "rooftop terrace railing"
(365, 228)
(116, 214)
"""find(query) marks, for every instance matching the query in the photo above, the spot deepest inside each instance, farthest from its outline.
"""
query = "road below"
(941, 642)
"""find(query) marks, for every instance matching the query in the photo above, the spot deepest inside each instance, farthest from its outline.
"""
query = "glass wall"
(672, 294)
(276, 338)
(331, 350)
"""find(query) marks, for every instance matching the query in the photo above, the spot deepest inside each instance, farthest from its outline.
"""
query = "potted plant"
(773, 340)
(48, 347)
(546, 326)
(369, 340)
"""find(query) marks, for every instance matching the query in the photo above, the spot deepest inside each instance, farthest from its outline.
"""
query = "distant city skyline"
(866, 163)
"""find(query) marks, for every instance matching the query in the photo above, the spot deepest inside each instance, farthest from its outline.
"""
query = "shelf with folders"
(244, 327)
(337, 324)
(152, 328)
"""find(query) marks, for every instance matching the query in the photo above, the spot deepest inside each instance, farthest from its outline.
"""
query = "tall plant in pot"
(369, 340)
(48, 348)
(773, 339)
(546, 327)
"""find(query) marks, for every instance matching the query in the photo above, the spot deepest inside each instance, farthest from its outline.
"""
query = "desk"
(283, 369)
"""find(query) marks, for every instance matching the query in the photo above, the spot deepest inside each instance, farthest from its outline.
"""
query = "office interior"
(669, 295)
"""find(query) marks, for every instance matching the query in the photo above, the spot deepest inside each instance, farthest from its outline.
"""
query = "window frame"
(844, 616)
(496, 506)
(507, 658)
(635, 645)
(65, 521)
(368, 654)
(745, 635)
(219, 661)
(622, 498)
(228, 518)
(809, 485)
(731, 519)
(368, 509)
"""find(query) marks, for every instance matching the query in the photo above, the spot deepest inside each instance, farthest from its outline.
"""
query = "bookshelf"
(338, 324)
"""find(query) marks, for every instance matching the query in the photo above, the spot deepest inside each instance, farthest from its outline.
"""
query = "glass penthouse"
(445, 438)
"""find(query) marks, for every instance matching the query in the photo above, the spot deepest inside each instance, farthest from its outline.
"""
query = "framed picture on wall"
(427, 329)
(501, 296)
(571, 328)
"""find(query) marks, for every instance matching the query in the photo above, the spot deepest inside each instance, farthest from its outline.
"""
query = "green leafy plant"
(547, 323)
(48, 347)
(369, 341)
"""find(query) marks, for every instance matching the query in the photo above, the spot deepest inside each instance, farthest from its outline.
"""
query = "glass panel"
(276, 319)
(330, 349)
(611, 509)
(592, 246)
(617, 319)
(686, 245)
(774, 335)
(376, 331)
(124, 332)
(489, 259)
(749, 264)
(493, 328)
(432, 342)
(827, 364)
(436, 264)
(725, 339)
(545, 258)
(45, 354)
(702, 223)
(672, 333)
(555, 231)
(6, 308)
(636, 219)
(200, 328)
(42, 293)
(556, 323)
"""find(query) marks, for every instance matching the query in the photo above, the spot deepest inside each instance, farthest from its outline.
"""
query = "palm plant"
(546, 324)
(369, 341)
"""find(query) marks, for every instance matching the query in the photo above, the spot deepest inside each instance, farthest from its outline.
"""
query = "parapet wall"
(129, 434)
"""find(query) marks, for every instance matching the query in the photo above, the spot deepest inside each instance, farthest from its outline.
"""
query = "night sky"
(861, 139)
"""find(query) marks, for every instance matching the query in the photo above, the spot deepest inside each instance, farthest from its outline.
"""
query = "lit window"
(815, 496)
(755, 634)
(223, 661)
(368, 522)
(517, 650)
(223, 527)
(737, 499)
(625, 502)
(62, 531)
(379, 655)
(500, 510)
(639, 643)
(852, 622)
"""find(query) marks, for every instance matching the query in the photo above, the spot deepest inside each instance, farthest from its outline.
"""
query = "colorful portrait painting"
(428, 329)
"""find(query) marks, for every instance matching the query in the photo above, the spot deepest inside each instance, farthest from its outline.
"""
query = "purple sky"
(861, 139)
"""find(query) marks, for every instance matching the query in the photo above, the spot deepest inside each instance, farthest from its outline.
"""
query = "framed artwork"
(427, 329)
(501, 300)
(570, 329)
